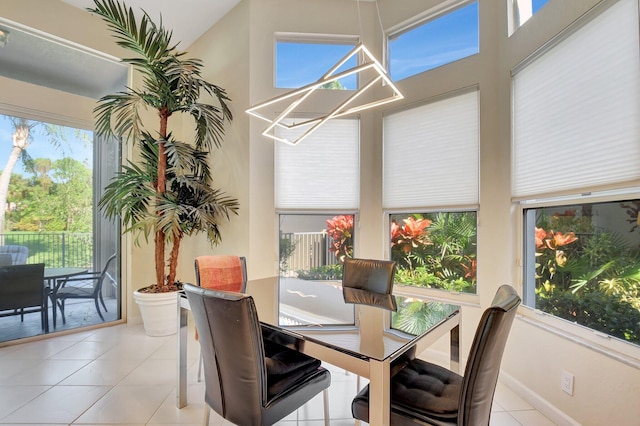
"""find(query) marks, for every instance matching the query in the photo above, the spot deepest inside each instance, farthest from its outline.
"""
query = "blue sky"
(41, 146)
(445, 39)
(299, 64)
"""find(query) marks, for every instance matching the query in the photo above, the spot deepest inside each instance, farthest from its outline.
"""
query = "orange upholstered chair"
(226, 273)
(220, 272)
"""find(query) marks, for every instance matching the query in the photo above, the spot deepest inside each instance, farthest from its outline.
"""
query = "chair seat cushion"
(427, 388)
(70, 292)
(285, 367)
(420, 390)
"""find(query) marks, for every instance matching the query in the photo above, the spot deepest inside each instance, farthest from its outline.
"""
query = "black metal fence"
(54, 249)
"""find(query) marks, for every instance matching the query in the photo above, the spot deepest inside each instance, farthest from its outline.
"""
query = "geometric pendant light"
(370, 75)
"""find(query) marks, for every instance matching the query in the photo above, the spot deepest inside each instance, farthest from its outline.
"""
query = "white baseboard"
(538, 402)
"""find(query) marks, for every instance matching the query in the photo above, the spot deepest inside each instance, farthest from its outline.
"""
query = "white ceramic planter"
(159, 312)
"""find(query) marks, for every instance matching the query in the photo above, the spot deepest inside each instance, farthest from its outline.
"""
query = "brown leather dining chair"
(369, 282)
(426, 393)
(249, 380)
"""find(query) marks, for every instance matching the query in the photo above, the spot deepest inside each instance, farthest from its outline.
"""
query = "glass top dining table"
(367, 348)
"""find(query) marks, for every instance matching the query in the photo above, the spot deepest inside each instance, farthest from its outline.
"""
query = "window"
(587, 265)
(523, 10)
(435, 250)
(51, 205)
(575, 134)
(311, 249)
(301, 62)
(431, 160)
(53, 181)
(574, 100)
(439, 41)
(320, 174)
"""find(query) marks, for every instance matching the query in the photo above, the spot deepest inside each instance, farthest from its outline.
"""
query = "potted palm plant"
(167, 191)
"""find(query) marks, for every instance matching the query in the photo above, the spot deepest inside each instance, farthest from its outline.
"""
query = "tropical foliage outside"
(46, 186)
(434, 250)
(587, 266)
(52, 193)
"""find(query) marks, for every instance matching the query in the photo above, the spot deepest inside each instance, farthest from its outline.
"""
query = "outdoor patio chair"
(83, 286)
(22, 291)
(19, 254)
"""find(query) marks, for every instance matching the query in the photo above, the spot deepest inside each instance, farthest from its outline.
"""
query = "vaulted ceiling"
(188, 19)
(34, 58)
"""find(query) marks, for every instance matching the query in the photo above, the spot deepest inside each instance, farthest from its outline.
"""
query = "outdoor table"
(51, 275)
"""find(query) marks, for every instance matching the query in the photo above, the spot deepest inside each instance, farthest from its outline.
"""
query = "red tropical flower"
(410, 235)
(561, 239)
(340, 229)
(552, 240)
(541, 235)
(470, 269)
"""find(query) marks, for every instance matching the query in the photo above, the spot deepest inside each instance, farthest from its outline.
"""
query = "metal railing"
(54, 249)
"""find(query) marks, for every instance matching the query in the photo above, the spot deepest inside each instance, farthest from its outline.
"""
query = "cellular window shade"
(320, 172)
(431, 154)
(577, 112)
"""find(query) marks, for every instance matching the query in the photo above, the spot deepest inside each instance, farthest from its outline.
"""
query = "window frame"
(419, 20)
(328, 213)
(310, 38)
(597, 341)
(471, 299)
(514, 7)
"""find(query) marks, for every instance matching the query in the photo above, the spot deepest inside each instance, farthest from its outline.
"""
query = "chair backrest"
(220, 272)
(19, 254)
(105, 273)
(485, 357)
(21, 286)
(232, 351)
(6, 259)
(369, 282)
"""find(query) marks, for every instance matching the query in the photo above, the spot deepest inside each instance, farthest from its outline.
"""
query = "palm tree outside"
(20, 138)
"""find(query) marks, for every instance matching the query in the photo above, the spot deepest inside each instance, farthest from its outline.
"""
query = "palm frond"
(118, 115)
(183, 159)
(149, 40)
(129, 197)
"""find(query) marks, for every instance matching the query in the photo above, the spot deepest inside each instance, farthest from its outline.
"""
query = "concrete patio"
(78, 313)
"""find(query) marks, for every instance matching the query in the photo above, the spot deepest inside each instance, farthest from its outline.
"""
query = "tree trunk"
(173, 260)
(160, 190)
(20, 142)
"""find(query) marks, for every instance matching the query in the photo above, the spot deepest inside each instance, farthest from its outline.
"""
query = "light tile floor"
(118, 375)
